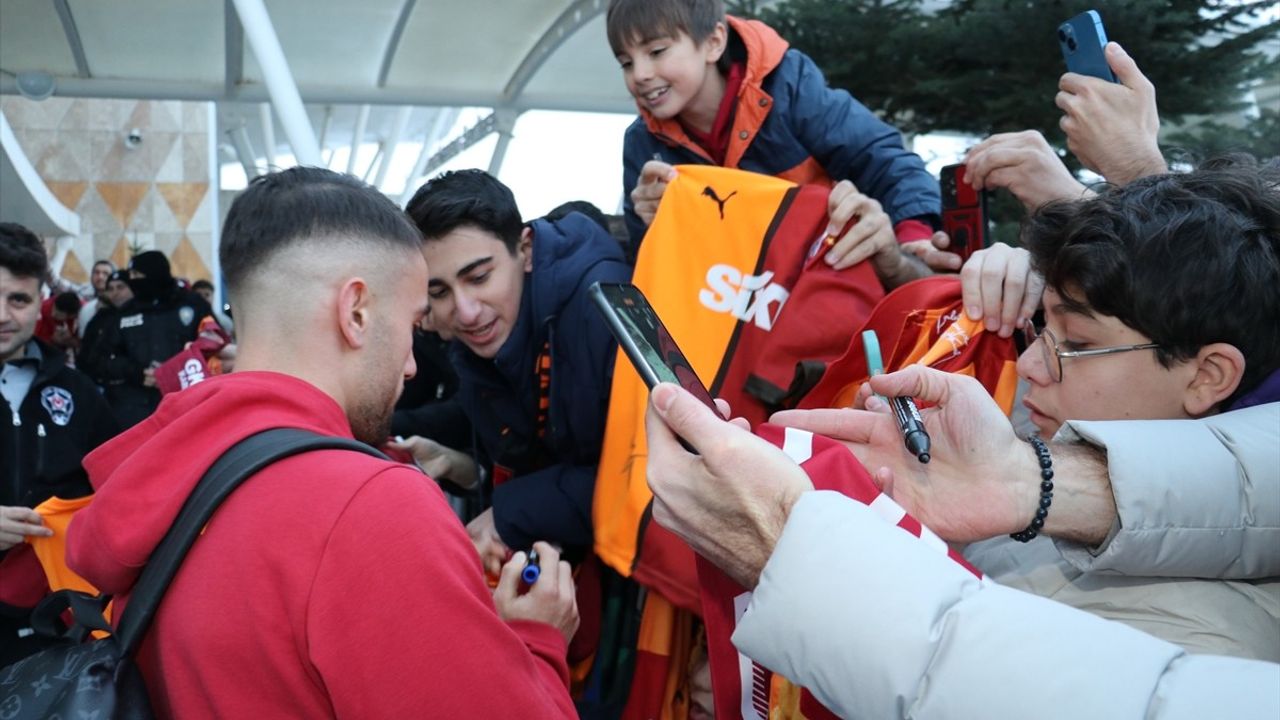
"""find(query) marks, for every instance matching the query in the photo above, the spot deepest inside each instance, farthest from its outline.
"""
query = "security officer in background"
(154, 326)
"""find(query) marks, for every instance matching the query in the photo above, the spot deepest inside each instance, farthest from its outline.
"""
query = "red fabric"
(823, 308)
(912, 317)
(716, 142)
(22, 579)
(912, 230)
(46, 325)
(830, 466)
(330, 584)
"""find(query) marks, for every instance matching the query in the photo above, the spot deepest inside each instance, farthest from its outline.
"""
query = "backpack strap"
(243, 460)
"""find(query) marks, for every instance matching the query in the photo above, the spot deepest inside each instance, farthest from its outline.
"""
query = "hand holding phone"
(646, 341)
(1082, 39)
(964, 212)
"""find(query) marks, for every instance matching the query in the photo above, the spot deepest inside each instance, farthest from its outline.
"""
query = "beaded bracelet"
(1046, 492)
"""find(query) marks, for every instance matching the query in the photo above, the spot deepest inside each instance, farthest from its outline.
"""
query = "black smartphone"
(964, 212)
(645, 339)
(1083, 40)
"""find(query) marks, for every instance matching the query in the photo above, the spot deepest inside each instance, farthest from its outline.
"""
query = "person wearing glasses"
(1163, 512)
(1152, 372)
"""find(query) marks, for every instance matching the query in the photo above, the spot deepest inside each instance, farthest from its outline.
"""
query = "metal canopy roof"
(517, 54)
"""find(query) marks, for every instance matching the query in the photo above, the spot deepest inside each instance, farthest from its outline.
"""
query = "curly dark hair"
(1186, 259)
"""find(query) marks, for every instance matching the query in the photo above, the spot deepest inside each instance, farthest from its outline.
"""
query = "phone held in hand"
(1083, 40)
(645, 340)
(964, 212)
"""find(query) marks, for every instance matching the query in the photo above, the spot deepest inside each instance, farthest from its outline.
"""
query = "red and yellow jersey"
(733, 266)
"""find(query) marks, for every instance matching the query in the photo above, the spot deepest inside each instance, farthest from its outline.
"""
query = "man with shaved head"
(331, 584)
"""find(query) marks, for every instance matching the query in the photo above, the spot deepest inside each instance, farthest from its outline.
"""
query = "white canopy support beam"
(233, 49)
(389, 55)
(73, 37)
(445, 117)
(325, 124)
(473, 135)
(357, 137)
(239, 136)
(570, 21)
(279, 80)
(398, 126)
(377, 155)
(506, 123)
(268, 136)
(422, 96)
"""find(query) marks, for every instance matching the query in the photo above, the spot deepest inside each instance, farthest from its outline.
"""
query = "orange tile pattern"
(153, 196)
(73, 269)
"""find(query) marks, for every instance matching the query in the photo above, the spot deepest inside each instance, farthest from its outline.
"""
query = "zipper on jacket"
(40, 436)
(16, 477)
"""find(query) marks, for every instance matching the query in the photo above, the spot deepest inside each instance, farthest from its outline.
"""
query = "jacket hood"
(142, 477)
(564, 251)
(765, 48)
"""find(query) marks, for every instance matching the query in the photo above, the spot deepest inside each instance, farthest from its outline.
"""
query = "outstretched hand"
(1000, 288)
(1025, 165)
(972, 488)
(647, 194)
(730, 501)
(1112, 127)
(550, 600)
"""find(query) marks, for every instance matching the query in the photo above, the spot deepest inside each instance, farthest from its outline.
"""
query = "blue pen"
(532, 571)
(904, 408)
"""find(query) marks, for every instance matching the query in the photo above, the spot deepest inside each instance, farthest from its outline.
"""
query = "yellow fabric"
(52, 551)
(687, 238)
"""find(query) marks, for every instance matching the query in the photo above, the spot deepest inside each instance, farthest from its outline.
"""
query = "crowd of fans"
(1142, 578)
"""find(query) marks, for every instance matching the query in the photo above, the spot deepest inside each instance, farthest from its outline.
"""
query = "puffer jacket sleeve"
(1195, 498)
(634, 147)
(851, 143)
(877, 624)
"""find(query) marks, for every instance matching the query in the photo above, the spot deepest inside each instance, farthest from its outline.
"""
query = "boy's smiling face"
(674, 76)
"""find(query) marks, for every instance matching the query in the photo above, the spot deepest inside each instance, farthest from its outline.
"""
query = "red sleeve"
(911, 230)
(400, 622)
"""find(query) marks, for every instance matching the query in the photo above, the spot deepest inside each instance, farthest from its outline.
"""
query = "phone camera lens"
(1062, 35)
(1071, 44)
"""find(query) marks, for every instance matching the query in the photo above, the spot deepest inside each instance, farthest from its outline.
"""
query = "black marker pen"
(912, 426)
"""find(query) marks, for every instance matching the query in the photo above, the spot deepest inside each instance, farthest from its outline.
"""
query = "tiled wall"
(155, 196)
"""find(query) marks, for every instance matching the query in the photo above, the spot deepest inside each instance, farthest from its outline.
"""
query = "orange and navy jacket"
(790, 124)
(733, 266)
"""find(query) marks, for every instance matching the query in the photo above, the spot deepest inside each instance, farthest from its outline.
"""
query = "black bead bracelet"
(1046, 492)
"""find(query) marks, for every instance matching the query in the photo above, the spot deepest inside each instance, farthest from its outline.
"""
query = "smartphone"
(964, 212)
(1083, 39)
(645, 339)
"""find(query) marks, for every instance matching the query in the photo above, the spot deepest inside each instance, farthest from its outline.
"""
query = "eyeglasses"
(1053, 354)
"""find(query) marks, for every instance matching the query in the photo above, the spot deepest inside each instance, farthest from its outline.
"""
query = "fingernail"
(663, 395)
(873, 403)
(953, 263)
(974, 312)
(1005, 331)
(990, 324)
(831, 259)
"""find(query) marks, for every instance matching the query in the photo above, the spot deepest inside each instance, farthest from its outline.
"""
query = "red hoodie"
(332, 584)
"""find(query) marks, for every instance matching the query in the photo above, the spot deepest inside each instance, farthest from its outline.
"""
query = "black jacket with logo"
(62, 419)
(144, 335)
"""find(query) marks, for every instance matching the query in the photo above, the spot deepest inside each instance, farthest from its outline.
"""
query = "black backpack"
(99, 679)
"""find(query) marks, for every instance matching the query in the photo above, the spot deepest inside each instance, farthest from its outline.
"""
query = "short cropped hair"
(1185, 259)
(22, 253)
(630, 21)
(284, 208)
(466, 198)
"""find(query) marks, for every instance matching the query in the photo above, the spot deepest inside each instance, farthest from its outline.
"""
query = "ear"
(1219, 369)
(355, 312)
(715, 44)
(525, 248)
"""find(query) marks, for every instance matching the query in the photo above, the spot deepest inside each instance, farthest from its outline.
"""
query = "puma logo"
(710, 192)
